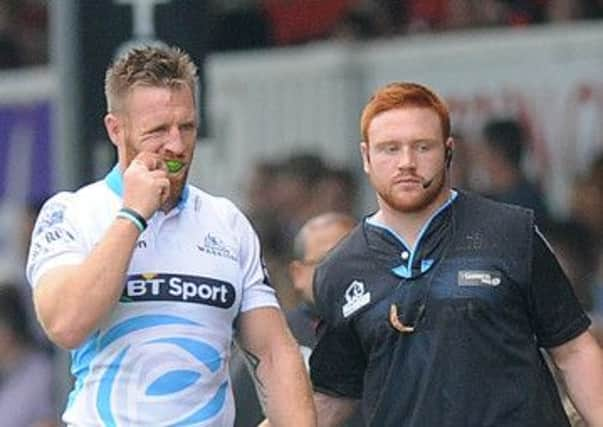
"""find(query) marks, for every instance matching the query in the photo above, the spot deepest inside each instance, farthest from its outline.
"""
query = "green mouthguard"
(174, 166)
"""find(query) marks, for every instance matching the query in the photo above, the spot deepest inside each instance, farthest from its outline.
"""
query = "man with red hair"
(434, 309)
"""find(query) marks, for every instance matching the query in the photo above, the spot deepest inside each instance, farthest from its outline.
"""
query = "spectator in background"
(282, 195)
(577, 250)
(505, 143)
(261, 200)
(315, 239)
(296, 183)
(26, 372)
(337, 191)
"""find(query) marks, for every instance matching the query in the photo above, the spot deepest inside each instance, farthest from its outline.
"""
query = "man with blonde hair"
(147, 279)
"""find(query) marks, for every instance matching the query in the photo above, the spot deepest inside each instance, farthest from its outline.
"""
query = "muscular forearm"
(286, 389)
(330, 411)
(71, 301)
(333, 411)
(277, 368)
(581, 366)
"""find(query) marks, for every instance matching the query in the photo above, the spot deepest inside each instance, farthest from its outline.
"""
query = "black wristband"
(133, 216)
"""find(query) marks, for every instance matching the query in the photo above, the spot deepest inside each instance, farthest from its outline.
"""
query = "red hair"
(400, 95)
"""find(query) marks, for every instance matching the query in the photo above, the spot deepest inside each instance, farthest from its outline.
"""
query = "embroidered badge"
(213, 245)
(356, 297)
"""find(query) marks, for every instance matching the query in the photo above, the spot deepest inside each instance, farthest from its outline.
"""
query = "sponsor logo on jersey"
(213, 245)
(478, 278)
(178, 287)
(356, 297)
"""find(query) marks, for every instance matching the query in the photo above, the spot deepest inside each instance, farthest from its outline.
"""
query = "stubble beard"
(176, 190)
(415, 202)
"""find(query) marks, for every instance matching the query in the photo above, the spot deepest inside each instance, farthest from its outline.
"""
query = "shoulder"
(201, 201)
(353, 245)
(344, 264)
(86, 197)
(218, 214)
(491, 212)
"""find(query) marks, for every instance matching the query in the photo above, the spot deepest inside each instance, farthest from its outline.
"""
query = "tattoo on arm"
(253, 362)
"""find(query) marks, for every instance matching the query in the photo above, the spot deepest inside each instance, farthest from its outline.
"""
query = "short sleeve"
(257, 290)
(56, 239)
(556, 312)
(337, 363)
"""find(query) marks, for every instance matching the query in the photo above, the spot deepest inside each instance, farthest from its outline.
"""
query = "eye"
(188, 127)
(156, 132)
(391, 148)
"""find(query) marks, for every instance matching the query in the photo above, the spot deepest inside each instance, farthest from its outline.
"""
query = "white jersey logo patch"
(356, 297)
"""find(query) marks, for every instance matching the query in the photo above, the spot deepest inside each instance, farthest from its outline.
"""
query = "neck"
(409, 224)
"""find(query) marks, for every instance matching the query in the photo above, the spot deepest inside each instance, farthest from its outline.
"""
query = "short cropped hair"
(404, 94)
(153, 66)
(321, 220)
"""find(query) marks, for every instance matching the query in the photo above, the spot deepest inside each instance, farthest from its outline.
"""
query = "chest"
(181, 265)
(463, 293)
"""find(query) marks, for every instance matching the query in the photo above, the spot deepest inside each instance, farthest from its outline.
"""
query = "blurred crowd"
(265, 23)
(23, 33)
(284, 193)
(256, 24)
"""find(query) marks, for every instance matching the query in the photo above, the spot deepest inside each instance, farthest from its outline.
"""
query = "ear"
(449, 151)
(114, 128)
(294, 270)
(366, 161)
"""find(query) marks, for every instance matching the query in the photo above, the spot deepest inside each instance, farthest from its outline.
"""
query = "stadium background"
(265, 101)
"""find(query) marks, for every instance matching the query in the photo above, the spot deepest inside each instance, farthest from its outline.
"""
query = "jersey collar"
(114, 180)
(403, 260)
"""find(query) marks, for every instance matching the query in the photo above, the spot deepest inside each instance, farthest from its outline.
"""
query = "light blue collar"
(404, 270)
(114, 180)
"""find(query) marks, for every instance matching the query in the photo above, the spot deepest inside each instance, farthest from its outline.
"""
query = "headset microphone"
(447, 162)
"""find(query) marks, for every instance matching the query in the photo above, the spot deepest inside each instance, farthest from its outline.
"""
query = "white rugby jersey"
(161, 356)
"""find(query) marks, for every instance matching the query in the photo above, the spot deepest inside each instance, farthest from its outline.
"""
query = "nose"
(175, 142)
(407, 158)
